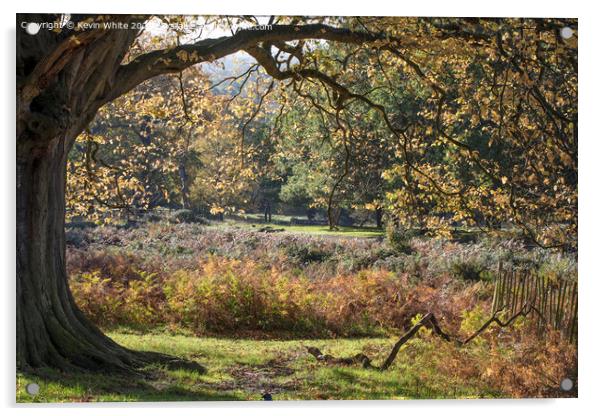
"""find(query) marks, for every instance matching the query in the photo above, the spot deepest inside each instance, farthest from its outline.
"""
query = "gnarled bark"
(51, 330)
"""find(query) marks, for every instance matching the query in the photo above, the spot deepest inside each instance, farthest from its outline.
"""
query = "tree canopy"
(438, 122)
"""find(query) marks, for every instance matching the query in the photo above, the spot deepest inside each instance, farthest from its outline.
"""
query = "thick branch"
(178, 58)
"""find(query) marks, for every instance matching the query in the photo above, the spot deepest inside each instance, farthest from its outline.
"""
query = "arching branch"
(178, 58)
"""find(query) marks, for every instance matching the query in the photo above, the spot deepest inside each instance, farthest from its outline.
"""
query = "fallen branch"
(329, 359)
(428, 321)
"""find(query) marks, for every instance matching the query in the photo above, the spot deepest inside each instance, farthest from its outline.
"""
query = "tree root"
(428, 321)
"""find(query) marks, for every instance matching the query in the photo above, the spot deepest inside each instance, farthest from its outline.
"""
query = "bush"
(76, 237)
(306, 253)
(469, 270)
(152, 217)
(224, 295)
(399, 239)
(557, 268)
(167, 274)
(187, 216)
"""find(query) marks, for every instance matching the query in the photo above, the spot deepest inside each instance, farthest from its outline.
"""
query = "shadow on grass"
(353, 384)
(152, 385)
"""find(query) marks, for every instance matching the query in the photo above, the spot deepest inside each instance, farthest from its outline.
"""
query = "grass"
(245, 369)
(323, 230)
(342, 231)
(260, 217)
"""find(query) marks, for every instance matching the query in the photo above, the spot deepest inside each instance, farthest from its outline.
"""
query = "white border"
(590, 181)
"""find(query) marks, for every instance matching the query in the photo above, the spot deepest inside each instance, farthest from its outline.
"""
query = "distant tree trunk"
(334, 213)
(378, 216)
(184, 184)
(331, 217)
(267, 211)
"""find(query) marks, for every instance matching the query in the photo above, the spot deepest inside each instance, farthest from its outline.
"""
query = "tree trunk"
(184, 187)
(334, 213)
(267, 211)
(51, 331)
(378, 216)
(51, 112)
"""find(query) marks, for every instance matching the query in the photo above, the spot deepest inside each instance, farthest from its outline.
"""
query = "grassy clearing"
(245, 369)
(323, 230)
(259, 217)
(342, 231)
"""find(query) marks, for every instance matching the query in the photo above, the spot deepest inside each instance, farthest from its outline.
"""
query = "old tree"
(497, 100)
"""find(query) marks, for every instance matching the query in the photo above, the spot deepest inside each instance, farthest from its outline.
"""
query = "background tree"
(142, 154)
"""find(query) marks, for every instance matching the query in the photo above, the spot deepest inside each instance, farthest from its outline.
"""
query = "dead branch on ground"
(427, 321)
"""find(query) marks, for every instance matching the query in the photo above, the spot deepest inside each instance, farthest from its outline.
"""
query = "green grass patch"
(259, 217)
(342, 231)
(323, 230)
(245, 369)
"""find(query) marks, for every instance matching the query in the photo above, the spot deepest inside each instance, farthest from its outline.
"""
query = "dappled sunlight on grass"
(244, 369)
